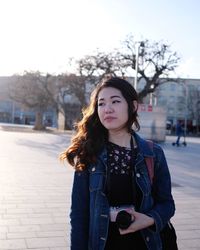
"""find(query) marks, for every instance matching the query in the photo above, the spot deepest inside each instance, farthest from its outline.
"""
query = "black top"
(120, 192)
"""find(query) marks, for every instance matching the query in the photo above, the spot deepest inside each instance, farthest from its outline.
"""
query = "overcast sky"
(43, 34)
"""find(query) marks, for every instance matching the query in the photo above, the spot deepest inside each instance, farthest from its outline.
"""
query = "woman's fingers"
(140, 221)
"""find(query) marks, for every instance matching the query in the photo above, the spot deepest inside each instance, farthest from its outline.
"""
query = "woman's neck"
(121, 138)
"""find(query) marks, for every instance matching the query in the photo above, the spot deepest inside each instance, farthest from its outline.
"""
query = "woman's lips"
(109, 118)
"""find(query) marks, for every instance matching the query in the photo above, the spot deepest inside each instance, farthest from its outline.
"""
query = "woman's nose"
(108, 109)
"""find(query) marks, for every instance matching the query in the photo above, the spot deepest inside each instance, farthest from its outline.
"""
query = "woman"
(111, 175)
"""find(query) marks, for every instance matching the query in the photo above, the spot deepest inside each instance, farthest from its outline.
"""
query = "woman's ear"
(135, 105)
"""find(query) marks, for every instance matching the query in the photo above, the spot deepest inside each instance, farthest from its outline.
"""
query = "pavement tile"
(54, 227)
(60, 219)
(3, 229)
(189, 244)
(57, 248)
(31, 205)
(187, 234)
(19, 211)
(46, 248)
(51, 233)
(9, 222)
(24, 228)
(13, 244)
(36, 193)
(21, 235)
(3, 236)
(36, 221)
(14, 216)
(47, 210)
(46, 242)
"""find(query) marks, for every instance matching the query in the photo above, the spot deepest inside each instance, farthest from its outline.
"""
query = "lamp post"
(151, 96)
(153, 99)
(186, 107)
(198, 116)
(137, 47)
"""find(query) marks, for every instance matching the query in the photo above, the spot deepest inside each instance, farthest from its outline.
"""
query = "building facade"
(13, 112)
(180, 98)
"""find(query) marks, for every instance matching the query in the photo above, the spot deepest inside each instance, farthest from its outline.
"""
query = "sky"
(44, 34)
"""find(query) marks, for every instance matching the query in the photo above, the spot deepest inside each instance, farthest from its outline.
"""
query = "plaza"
(36, 188)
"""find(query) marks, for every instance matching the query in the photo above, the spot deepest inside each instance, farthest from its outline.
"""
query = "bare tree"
(34, 91)
(73, 84)
(95, 67)
(65, 93)
(155, 62)
(70, 90)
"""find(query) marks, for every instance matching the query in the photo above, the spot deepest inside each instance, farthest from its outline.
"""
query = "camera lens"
(123, 219)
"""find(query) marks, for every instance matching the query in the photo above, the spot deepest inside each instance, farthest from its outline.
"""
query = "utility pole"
(138, 45)
(186, 106)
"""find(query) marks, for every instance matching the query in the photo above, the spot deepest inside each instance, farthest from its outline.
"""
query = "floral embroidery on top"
(119, 159)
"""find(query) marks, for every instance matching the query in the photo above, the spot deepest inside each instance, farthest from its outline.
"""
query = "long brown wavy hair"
(91, 135)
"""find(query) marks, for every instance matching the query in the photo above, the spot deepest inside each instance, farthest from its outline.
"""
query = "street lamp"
(186, 106)
(198, 116)
(137, 47)
(151, 96)
(153, 99)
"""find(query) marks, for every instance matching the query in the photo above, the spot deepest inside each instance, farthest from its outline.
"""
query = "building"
(180, 98)
(13, 112)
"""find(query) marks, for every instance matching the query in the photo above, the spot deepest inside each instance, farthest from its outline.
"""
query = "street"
(35, 191)
(184, 162)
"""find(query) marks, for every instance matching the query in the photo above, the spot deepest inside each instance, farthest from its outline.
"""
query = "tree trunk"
(61, 121)
(39, 121)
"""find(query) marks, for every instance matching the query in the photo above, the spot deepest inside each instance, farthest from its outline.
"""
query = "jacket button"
(93, 169)
(138, 175)
(147, 239)
(104, 215)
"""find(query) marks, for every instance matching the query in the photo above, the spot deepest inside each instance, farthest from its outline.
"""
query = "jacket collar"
(143, 146)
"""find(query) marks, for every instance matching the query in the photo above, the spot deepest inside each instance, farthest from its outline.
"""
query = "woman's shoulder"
(147, 146)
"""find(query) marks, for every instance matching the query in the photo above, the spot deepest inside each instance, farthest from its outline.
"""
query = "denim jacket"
(90, 209)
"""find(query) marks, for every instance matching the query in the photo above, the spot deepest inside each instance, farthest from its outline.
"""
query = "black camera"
(121, 216)
(123, 219)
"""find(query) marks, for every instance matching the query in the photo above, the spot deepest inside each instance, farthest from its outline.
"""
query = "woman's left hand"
(141, 221)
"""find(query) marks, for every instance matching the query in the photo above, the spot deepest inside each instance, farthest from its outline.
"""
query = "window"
(172, 86)
(172, 98)
(171, 111)
(162, 101)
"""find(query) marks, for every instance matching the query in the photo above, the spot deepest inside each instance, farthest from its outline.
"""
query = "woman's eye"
(100, 104)
(116, 101)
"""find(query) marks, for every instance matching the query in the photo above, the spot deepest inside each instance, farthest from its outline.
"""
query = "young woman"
(114, 205)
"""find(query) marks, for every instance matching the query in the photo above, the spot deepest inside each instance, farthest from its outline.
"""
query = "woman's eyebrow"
(113, 96)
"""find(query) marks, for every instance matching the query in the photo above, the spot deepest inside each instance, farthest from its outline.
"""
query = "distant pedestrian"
(179, 132)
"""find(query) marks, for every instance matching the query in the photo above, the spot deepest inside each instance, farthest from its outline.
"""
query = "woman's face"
(112, 109)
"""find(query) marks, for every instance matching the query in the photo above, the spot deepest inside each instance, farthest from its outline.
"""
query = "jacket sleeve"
(164, 207)
(79, 216)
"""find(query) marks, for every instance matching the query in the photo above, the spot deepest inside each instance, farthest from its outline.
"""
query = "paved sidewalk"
(35, 196)
(34, 192)
(187, 218)
(184, 164)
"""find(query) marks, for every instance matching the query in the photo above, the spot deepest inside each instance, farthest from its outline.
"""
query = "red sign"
(150, 108)
(145, 108)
